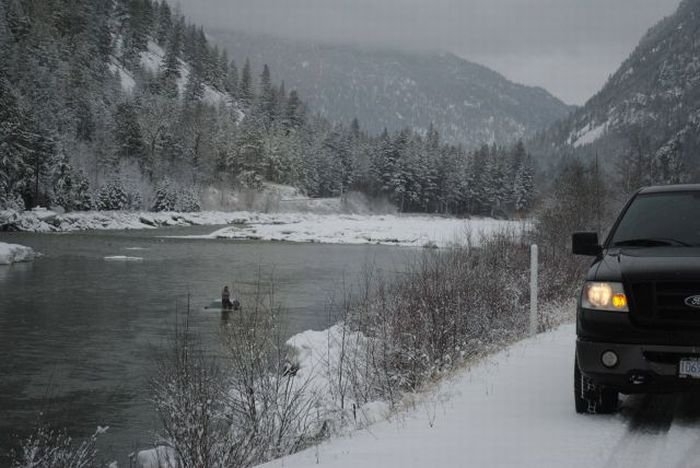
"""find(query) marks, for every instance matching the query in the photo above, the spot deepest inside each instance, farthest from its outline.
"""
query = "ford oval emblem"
(693, 301)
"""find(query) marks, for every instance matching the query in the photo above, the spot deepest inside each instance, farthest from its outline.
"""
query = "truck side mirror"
(585, 243)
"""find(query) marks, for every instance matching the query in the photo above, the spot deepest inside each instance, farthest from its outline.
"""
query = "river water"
(78, 333)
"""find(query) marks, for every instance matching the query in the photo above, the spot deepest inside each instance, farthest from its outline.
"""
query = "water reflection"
(17, 269)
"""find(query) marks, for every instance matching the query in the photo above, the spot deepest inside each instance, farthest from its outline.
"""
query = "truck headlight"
(604, 296)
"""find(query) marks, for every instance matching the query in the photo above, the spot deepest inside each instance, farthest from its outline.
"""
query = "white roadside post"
(533, 289)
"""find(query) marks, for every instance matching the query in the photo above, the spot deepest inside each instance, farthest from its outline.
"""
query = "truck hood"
(648, 264)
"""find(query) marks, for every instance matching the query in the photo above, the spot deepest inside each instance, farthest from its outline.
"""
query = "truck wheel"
(592, 398)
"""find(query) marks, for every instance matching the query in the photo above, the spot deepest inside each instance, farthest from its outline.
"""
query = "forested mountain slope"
(467, 103)
(122, 104)
(646, 120)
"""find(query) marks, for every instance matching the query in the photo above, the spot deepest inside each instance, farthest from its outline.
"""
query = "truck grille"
(663, 303)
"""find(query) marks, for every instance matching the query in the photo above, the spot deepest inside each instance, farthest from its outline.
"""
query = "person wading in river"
(226, 299)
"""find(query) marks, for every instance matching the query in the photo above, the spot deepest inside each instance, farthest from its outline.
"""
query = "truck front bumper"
(639, 368)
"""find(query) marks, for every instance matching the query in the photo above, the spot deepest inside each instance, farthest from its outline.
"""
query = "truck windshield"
(660, 219)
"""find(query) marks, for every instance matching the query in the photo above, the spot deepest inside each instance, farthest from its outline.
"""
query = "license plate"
(689, 368)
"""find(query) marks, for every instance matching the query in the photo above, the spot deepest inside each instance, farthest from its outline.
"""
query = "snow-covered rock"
(31, 221)
(158, 457)
(15, 253)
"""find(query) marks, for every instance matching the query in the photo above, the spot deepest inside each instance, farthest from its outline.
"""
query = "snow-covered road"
(515, 409)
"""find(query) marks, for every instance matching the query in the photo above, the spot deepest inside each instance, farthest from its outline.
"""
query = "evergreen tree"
(14, 139)
(170, 72)
(231, 84)
(266, 98)
(245, 86)
(82, 200)
(188, 201)
(4, 35)
(294, 113)
(112, 197)
(63, 188)
(164, 26)
(281, 101)
(523, 186)
(165, 197)
(128, 137)
(194, 89)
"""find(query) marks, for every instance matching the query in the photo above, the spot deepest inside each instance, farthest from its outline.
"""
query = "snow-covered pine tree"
(170, 68)
(245, 86)
(82, 200)
(112, 197)
(267, 100)
(128, 137)
(63, 183)
(164, 23)
(188, 201)
(231, 84)
(667, 163)
(294, 111)
(194, 89)
(165, 197)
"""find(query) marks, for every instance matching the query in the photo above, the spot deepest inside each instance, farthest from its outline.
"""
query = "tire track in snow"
(649, 420)
(685, 431)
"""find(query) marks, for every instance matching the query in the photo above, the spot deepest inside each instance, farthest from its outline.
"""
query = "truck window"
(660, 219)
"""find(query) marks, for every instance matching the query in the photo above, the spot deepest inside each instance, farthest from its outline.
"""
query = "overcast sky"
(568, 47)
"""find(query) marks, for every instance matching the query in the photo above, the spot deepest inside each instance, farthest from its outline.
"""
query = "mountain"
(121, 104)
(646, 119)
(467, 103)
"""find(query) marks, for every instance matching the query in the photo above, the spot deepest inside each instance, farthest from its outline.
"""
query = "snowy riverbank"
(14, 253)
(404, 230)
(48, 221)
(516, 409)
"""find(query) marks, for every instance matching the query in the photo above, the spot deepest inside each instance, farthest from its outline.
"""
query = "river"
(78, 333)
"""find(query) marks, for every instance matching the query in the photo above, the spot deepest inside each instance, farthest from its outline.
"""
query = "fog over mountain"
(466, 103)
(568, 47)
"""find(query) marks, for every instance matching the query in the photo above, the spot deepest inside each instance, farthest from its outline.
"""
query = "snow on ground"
(126, 80)
(209, 95)
(152, 60)
(404, 230)
(318, 356)
(588, 134)
(152, 57)
(15, 253)
(516, 409)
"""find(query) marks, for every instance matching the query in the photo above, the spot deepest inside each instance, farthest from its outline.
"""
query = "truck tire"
(592, 398)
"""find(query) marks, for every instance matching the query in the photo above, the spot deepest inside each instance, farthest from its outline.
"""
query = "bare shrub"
(188, 396)
(51, 448)
(269, 406)
(243, 409)
(450, 306)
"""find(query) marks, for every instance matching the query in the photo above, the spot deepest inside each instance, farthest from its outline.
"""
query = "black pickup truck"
(638, 317)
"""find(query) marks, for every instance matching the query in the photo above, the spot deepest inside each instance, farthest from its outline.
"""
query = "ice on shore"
(123, 258)
(15, 253)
